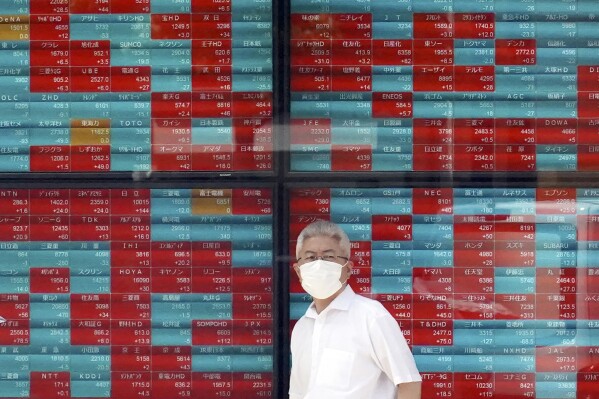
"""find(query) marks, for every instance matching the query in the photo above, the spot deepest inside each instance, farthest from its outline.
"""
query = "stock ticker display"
(162, 293)
(444, 85)
(135, 85)
(136, 293)
(495, 289)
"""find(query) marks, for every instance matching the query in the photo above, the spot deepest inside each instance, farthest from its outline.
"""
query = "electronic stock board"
(135, 292)
(496, 289)
(139, 293)
(136, 85)
(493, 285)
(444, 85)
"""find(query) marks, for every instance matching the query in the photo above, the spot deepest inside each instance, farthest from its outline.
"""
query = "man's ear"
(350, 266)
(297, 271)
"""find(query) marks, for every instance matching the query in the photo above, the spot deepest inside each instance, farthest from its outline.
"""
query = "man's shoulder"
(368, 306)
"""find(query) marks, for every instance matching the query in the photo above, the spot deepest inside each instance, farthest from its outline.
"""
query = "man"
(346, 346)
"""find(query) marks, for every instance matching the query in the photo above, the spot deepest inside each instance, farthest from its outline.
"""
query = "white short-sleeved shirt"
(353, 349)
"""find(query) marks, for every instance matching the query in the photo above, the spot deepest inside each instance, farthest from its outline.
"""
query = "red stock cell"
(392, 105)
(433, 158)
(433, 25)
(351, 26)
(433, 52)
(130, 306)
(206, 6)
(392, 52)
(130, 6)
(171, 358)
(211, 26)
(588, 133)
(49, 26)
(351, 52)
(557, 131)
(50, 385)
(474, 25)
(311, 78)
(474, 78)
(351, 78)
(49, 7)
(90, 332)
(211, 280)
(351, 157)
(130, 332)
(434, 78)
(171, 26)
(515, 131)
(134, 384)
(515, 157)
(211, 78)
(588, 77)
(515, 52)
(49, 280)
(432, 332)
(130, 79)
(311, 26)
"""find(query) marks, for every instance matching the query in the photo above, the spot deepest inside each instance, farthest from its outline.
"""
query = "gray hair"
(324, 228)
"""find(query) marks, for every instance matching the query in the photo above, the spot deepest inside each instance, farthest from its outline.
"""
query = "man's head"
(322, 241)
(323, 229)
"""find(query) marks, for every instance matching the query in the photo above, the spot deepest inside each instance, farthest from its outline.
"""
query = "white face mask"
(320, 278)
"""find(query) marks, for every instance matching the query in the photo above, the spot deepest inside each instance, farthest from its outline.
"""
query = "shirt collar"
(341, 302)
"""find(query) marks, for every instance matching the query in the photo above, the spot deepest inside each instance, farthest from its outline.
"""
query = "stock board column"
(15, 108)
(587, 291)
(212, 325)
(588, 100)
(474, 262)
(130, 287)
(474, 126)
(556, 300)
(515, 52)
(352, 135)
(305, 206)
(89, 262)
(131, 74)
(252, 241)
(515, 105)
(311, 81)
(556, 92)
(212, 87)
(434, 74)
(15, 310)
(588, 88)
(232, 315)
(393, 253)
(252, 85)
(433, 285)
(49, 287)
(171, 102)
(51, 81)
(433, 276)
(392, 108)
(171, 292)
(517, 235)
(352, 210)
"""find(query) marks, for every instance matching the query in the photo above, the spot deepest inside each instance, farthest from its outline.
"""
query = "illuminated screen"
(135, 85)
(495, 289)
(444, 85)
(136, 293)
